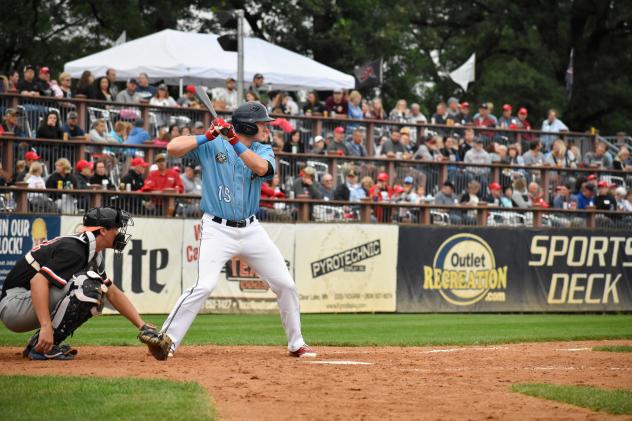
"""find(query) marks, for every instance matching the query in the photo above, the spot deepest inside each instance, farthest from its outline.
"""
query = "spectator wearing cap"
(111, 75)
(338, 146)
(49, 127)
(318, 145)
(144, 89)
(344, 190)
(327, 188)
(103, 89)
(381, 192)
(313, 107)
(429, 150)
(600, 158)
(85, 86)
(477, 155)
(135, 176)
(393, 147)
(495, 194)
(138, 135)
(28, 86)
(162, 178)
(604, 199)
(586, 196)
(162, 98)
(355, 146)
(83, 173)
(336, 105)
(446, 196)
(29, 158)
(521, 123)
(294, 144)
(506, 120)
(464, 118)
(484, 119)
(187, 97)
(10, 123)
(129, 95)
(553, 125)
(305, 185)
(258, 88)
(72, 126)
(409, 195)
(198, 128)
(227, 98)
(43, 82)
(564, 198)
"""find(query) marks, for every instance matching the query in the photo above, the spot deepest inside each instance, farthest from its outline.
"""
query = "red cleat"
(303, 352)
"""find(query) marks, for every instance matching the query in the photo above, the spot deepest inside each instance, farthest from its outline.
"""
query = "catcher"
(61, 283)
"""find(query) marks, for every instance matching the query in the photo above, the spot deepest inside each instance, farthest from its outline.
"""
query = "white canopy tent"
(198, 58)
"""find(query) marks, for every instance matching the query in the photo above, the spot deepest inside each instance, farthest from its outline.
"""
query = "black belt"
(234, 224)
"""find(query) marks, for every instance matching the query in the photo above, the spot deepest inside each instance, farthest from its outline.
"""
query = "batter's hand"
(219, 127)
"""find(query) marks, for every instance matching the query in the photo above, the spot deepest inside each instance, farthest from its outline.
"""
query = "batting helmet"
(247, 115)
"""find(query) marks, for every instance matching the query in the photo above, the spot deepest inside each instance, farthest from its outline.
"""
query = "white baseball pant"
(219, 244)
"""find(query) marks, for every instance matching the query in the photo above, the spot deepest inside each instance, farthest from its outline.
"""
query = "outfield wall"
(368, 268)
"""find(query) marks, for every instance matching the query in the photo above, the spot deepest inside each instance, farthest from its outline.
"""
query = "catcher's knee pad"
(84, 300)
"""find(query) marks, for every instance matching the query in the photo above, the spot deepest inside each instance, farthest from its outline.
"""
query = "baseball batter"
(234, 164)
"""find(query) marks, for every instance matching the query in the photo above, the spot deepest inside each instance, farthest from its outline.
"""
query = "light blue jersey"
(230, 189)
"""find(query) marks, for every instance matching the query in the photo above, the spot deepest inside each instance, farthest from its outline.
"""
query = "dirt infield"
(261, 383)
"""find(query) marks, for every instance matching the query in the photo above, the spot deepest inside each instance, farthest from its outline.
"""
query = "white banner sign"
(346, 268)
(239, 288)
(149, 270)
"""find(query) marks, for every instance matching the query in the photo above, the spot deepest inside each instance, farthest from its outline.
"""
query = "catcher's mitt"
(159, 344)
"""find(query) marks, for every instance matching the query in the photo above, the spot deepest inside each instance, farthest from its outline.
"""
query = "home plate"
(334, 362)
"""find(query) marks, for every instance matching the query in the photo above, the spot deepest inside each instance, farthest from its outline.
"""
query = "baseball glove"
(158, 343)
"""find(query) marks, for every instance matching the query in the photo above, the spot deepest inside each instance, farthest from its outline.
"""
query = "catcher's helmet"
(247, 115)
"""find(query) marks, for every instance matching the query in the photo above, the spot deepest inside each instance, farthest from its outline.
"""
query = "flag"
(369, 75)
(569, 77)
(465, 74)
(121, 39)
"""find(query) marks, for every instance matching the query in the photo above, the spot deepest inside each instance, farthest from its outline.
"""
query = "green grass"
(613, 348)
(82, 398)
(363, 329)
(615, 401)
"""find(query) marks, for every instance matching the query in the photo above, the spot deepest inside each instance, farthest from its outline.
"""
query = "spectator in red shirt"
(162, 178)
(381, 192)
(336, 105)
(271, 190)
(483, 119)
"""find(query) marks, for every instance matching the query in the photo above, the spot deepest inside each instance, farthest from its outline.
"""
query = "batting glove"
(219, 127)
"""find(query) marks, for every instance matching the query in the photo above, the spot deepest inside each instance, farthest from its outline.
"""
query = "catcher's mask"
(108, 218)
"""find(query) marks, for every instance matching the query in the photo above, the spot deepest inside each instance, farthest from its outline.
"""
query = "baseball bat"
(203, 96)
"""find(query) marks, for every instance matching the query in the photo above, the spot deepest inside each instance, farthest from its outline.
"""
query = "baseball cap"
(163, 87)
(10, 111)
(465, 105)
(478, 140)
(258, 76)
(160, 157)
(592, 177)
(32, 156)
(409, 180)
(522, 110)
(495, 186)
(230, 78)
(190, 89)
(452, 100)
(44, 70)
(319, 139)
(449, 184)
(199, 125)
(139, 161)
(603, 184)
(29, 67)
(398, 189)
(72, 114)
(339, 129)
(139, 122)
(404, 130)
(590, 187)
(82, 163)
(382, 176)
(484, 106)
(132, 80)
(507, 107)
(308, 171)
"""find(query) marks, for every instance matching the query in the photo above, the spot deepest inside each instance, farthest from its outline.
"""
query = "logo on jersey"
(221, 157)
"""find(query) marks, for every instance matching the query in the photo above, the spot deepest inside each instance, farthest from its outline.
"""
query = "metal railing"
(171, 204)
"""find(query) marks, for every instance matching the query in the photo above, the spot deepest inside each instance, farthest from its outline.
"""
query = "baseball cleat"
(303, 352)
(63, 352)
